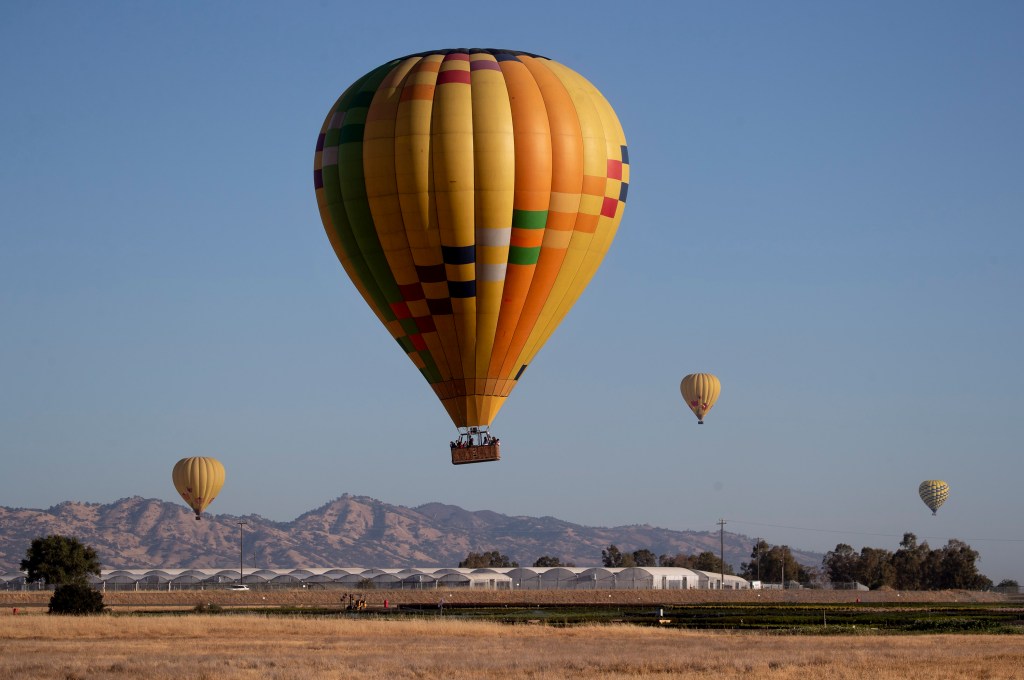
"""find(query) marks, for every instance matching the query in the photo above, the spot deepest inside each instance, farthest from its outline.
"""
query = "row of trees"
(610, 557)
(913, 567)
(768, 563)
(705, 561)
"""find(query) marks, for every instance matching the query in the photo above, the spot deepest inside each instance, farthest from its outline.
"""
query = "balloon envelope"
(470, 195)
(700, 390)
(934, 493)
(198, 480)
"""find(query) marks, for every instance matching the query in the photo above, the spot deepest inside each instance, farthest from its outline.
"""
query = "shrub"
(207, 608)
(76, 598)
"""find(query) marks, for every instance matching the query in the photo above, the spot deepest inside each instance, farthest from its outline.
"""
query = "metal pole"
(240, 524)
(721, 552)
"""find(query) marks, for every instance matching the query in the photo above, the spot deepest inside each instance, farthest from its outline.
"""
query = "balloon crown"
(497, 53)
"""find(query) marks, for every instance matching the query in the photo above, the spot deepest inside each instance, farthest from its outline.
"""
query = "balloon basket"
(476, 454)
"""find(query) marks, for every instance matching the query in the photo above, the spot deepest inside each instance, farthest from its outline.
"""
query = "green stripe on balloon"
(521, 255)
(334, 199)
(353, 190)
(529, 219)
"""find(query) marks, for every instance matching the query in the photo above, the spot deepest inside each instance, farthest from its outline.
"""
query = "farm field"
(538, 634)
(293, 597)
(230, 647)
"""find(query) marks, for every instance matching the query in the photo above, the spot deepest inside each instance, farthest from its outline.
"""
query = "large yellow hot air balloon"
(700, 390)
(198, 480)
(934, 493)
(470, 195)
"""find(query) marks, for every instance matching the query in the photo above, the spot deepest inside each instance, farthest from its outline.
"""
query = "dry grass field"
(33, 645)
(195, 647)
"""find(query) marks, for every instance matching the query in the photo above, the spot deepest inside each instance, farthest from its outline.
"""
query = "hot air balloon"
(470, 195)
(700, 390)
(934, 493)
(198, 480)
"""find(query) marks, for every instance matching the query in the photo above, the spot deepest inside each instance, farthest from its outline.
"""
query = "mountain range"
(349, 531)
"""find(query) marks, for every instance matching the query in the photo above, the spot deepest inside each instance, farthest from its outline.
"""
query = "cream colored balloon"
(934, 493)
(198, 480)
(700, 390)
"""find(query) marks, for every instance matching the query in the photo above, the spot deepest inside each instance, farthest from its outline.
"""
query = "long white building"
(510, 578)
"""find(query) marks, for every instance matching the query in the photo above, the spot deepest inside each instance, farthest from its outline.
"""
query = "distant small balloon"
(934, 493)
(700, 390)
(198, 480)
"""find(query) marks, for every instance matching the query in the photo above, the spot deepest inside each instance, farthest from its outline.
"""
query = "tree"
(709, 561)
(957, 567)
(908, 563)
(778, 562)
(488, 559)
(752, 570)
(612, 557)
(931, 571)
(680, 560)
(842, 564)
(644, 558)
(705, 561)
(548, 561)
(76, 598)
(60, 560)
(874, 568)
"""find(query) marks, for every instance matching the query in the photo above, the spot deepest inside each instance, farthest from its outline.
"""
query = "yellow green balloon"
(934, 493)
(700, 391)
(470, 195)
(198, 480)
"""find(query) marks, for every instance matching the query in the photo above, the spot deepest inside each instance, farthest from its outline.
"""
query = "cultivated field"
(196, 647)
(375, 598)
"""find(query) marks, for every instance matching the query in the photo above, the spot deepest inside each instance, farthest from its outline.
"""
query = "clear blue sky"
(825, 210)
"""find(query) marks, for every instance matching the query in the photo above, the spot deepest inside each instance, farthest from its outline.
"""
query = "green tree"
(957, 567)
(60, 560)
(611, 557)
(842, 564)
(1008, 584)
(778, 562)
(680, 560)
(548, 561)
(488, 559)
(705, 561)
(752, 570)
(644, 558)
(931, 570)
(874, 568)
(76, 598)
(908, 563)
(709, 561)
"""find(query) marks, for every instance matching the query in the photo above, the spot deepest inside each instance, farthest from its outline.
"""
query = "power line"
(864, 533)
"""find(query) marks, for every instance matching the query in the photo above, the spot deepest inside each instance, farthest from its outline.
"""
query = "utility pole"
(721, 551)
(783, 567)
(240, 524)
